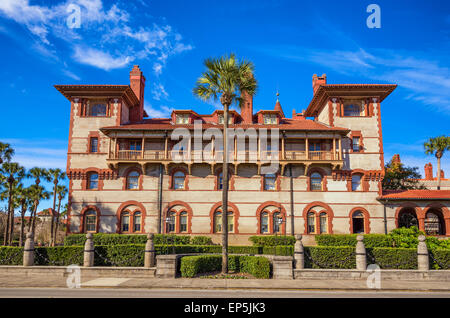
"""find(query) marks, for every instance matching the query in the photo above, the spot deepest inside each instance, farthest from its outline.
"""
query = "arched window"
(316, 181)
(358, 222)
(92, 181)
(98, 110)
(311, 219)
(90, 221)
(323, 219)
(230, 221)
(171, 222)
(125, 222)
(264, 222)
(178, 180)
(434, 223)
(277, 221)
(133, 180)
(407, 218)
(137, 220)
(270, 181)
(356, 182)
(217, 222)
(183, 221)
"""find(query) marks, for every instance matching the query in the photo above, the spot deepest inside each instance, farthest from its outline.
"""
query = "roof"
(46, 212)
(416, 195)
(330, 90)
(166, 124)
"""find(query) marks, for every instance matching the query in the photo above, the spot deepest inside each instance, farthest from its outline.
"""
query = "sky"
(47, 42)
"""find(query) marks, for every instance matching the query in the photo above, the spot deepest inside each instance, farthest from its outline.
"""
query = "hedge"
(121, 239)
(370, 240)
(272, 240)
(257, 266)
(439, 258)
(11, 255)
(392, 258)
(59, 255)
(330, 257)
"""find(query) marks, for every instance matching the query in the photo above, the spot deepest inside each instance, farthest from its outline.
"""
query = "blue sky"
(288, 41)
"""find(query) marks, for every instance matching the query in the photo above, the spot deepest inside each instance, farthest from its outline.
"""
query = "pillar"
(361, 262)
(28, 252)
(149, 258)
(299, 257)
(423, 262)
(89, 251)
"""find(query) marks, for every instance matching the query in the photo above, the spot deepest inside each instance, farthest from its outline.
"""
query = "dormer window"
(97, 110)
(182, 119)
(270, 119)
(230, 119)
(354, 109)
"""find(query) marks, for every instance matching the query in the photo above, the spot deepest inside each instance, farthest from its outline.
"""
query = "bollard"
(299, 256)
(150, 254)
(361, 262)
(89, 251)
(28, 251)
(423, 262)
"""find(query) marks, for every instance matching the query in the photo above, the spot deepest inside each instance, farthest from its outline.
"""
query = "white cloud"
(100, 59)
(158, 92)
(162, 112)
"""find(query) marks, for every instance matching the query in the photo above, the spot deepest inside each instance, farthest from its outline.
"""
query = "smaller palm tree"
(437, 146)
(6, 152)
(62, 192)
(25, 202)
(57, 175)
(37, 193)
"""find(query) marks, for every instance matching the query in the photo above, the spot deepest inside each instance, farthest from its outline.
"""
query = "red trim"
(356, 133)
(93, 134)
(123, 207)
(186, 208)
(364, 180)
(366, 219)
(326, 208)
(97, 220)
(186, 179)
(236, 214)
(230, 179)
(263, 208)
(85, 179)
(322, 172)
(125, 178)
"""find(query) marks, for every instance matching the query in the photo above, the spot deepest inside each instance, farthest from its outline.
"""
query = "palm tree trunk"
(9, 224)
(225, 191)
(52, 223)
(22, 224)
(55, 236)
(439, 172)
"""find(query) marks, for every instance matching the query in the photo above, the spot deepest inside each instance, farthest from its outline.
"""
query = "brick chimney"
(137, 84)
(396, 158)
(247, 108)
(429, 171)
(442, 174)
(317, 81)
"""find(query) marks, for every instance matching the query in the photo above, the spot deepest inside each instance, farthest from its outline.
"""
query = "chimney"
(396, 159)
(247, 108)
(429, 171)
(442, 174)
(137, 84)
(317, 81)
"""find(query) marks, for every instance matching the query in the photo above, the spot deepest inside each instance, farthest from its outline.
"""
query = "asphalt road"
(195, 293)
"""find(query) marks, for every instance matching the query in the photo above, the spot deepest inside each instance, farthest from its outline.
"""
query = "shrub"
(330, 257)
(59, 255)
(11, 255)
(257, 266)
(121, 239)
(201, 240)
(119, 255)
(272, 240)
(278, 250)
(370, 240)
(439, 258)
(392, 258)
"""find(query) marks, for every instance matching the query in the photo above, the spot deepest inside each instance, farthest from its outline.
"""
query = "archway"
(407, 217)
(434, 222)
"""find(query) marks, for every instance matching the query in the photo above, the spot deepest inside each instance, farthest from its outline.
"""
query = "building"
(126, 177)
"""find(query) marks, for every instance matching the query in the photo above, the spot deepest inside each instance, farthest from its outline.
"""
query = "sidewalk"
(199, 283)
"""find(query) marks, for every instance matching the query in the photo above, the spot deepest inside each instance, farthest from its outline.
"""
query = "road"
(196, 293)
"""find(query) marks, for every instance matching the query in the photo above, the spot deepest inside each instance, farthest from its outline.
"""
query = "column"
(307, 148)
(334, 149)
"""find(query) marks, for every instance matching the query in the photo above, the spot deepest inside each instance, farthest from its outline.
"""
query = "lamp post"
(170, 221)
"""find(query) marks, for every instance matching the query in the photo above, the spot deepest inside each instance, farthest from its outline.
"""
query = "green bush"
(119, 255)
(121, 239)
(439, 258)
(330, 257)
(278, 250)
(201, 240)
(272, 240)
(11, 255)
(370, 240)
(392, 258)
(59, 255)
(257, 266)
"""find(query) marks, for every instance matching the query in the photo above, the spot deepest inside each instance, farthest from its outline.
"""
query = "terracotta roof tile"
(416, 194)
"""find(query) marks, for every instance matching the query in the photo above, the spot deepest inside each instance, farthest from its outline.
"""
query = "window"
(94, 144)
(182, 119)
(220, 181)
(135, 145)
(133, 180)
(311, 222)
(125, 222)
(270, 182)
(316, 181)
(183, 221)
(230, 221)
(407, 218)
(356, 182)
(270, 119)
(178, 180)
(171, 222)
(264, 222)
(277, 221)
(323, 223)
(217, 222)
(353, 109)
(90, 220)
(98, 110)
(358, 222)
(93, 181)
(434, 223)
(137, 219)
(230, 119)
(355, 144)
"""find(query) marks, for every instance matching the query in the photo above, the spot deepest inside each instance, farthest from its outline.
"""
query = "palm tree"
(62, 192)
(57, 175)
(12, 172)
(25, 203)
(37, 193)
(437, 146)
(6, 152)
(228, 78)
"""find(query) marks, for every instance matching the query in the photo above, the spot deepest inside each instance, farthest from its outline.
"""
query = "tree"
(12, 172)
(437, 146)
(38, 192)
(399, 177)
(57, 175)
(62, 192)
(25, 201)
(228, 78)
(6, 152)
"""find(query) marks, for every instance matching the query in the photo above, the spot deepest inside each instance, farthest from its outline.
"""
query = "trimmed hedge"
(257, 266)
(392, 258)
(370, 240)
(11, 255)
(272, 240)
(201, 240)
(59, 255)
(439, 258)
(121, 239)
(330, 257)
